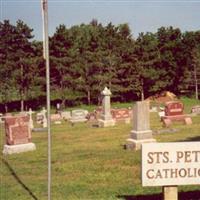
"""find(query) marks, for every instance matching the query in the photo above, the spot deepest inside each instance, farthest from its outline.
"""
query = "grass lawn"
(88, 163)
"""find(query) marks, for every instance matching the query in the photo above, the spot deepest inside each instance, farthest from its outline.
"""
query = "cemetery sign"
(165, 164)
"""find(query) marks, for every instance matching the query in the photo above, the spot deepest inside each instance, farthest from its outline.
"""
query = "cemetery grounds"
(89, 162)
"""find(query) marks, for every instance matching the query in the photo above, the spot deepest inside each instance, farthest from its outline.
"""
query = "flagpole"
(46, 57)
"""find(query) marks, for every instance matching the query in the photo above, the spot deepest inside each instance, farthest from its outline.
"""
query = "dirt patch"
(162, 97)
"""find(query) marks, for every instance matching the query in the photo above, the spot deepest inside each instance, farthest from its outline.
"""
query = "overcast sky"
(142, 16)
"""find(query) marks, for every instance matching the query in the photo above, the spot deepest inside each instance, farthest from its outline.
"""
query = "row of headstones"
(108, 117)
(18, 132)
(18, 128)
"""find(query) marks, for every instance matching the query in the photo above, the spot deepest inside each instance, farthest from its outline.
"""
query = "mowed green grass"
(87, 162)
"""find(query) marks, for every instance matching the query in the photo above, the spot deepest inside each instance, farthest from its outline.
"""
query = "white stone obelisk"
(106, 117)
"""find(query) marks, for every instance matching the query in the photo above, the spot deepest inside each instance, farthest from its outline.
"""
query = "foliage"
(18, 62)
(85, 58)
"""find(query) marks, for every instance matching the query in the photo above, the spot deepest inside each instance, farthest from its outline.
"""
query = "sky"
(142, 16)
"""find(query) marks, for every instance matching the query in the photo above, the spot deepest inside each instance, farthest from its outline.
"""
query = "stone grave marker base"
(136, 144)
(106, 123)
(57, 122)
(39, 130)
(141, 135)
(12, 149)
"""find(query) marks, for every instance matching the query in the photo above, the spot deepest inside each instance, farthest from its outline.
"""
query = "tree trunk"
(88, 97)
(6, 107)
(196, 83)
(22, 105)
(63, 104)
(142, 91)
(110, 84)
(142, 95)
(21, 92)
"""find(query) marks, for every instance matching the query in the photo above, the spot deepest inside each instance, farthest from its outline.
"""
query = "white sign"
(176, 163)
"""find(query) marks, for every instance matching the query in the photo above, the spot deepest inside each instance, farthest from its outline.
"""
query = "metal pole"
(46, 57)
(196, 82)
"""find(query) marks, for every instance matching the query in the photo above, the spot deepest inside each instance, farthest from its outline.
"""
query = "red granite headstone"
(120, 114)
(173, 108)
(174, 112)
(17, 130)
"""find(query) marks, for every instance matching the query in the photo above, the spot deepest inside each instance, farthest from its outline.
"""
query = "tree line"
(85, 58)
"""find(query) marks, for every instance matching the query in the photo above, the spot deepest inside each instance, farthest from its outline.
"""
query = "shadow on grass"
(18, 179)
(192, 195)
(190, 139)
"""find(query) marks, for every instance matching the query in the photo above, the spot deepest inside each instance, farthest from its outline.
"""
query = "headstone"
(58, 108)
(121, 114)
(161, 114)
(8, 115)
(22, 113)
(44, 120)
(154, 109)
(57, 122)
(39, 118)
(174, 112)
(94, 116)
(106, 117)
(1, 118)
(66, 115)
(196, 109)
(141, 132)
(18, 135)
(56, 118)
(78, 116)
(174, 108)
(17, 130)
(30, 112)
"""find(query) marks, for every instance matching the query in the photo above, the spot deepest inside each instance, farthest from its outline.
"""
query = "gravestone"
(106, 117)
(78, 116)
(154, 109)
(56, 118)
(141, 132)
(174, 112)
(173, 108)
(22, 113)
(18, 135)
(1, 118)
(8, 115)
(66, 115)
(58, 108)
(95, 115)
(161, 114)
(30, 112)
(121, 114)
(195, 109)
(39, 118)
(44, 118)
